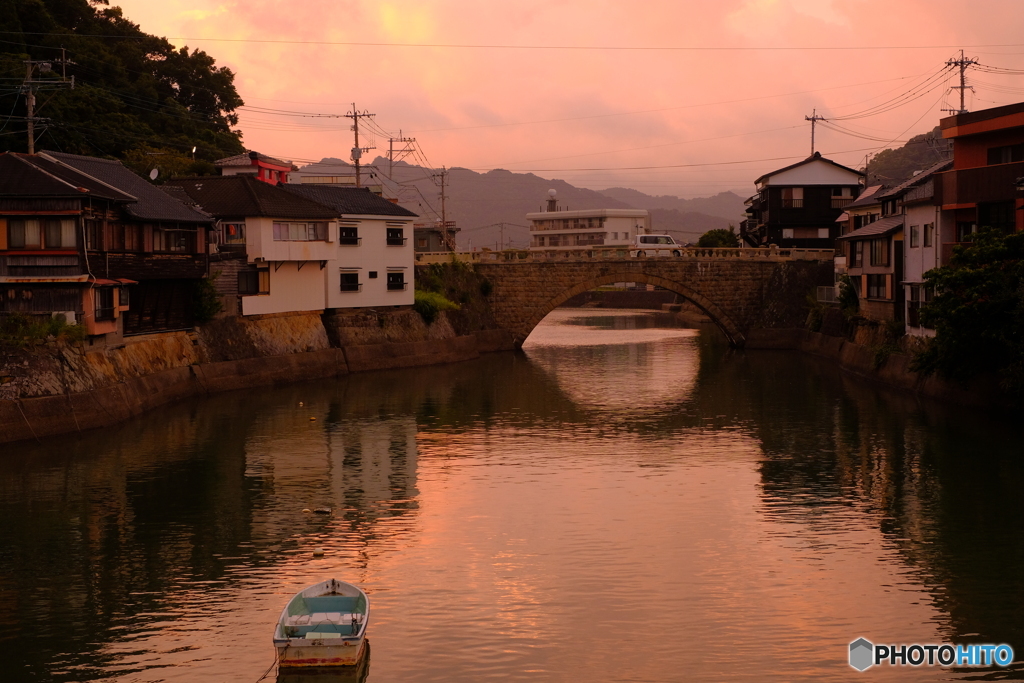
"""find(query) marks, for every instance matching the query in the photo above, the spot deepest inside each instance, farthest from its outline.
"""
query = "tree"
(132, 91)
(719, 238)
(978, 311)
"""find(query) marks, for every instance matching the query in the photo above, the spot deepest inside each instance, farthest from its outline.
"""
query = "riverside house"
(283, 242)
(797, 206)
(89, 239)
(373, 260)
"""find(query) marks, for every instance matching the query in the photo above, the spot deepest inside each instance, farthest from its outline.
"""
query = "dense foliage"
(893, 166)
(978, 311)
(20, 329)
(135, 98)
(719, 238)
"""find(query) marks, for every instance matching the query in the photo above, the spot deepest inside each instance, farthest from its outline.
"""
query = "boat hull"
(304, 653)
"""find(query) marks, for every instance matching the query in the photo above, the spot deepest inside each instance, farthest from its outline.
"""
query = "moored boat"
(323, 625)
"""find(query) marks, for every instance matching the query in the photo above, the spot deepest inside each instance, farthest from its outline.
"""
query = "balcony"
(841, 202)
(396, 241)
(984, 184)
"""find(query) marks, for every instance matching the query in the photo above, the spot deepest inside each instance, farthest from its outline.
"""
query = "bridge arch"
(713, 311)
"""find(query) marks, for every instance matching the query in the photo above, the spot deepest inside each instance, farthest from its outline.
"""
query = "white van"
(655, 245)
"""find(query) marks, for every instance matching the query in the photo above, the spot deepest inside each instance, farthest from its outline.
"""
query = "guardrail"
(624, 254)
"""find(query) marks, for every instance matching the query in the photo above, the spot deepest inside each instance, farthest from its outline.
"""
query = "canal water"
(625, 500)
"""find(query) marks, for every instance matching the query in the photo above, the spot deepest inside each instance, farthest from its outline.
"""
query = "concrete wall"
(291, 289)
(372, 254)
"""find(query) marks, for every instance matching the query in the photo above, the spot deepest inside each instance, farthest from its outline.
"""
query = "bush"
(849, 301)
(205, 300)
(20, 329)
(429, 304)
(978, 312)
(720, 238)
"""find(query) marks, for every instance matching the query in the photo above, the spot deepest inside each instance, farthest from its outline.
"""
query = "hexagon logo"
(861, 654)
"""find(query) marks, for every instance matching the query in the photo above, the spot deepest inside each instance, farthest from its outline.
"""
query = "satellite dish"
(552, 193)
(154, 173)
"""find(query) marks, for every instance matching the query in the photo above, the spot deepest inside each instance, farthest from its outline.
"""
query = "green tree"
(719, 238)
(978, 311)
(132, 91)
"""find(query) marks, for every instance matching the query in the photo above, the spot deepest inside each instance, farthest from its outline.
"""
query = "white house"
(372, 263)
(287, 240)
(554, 228)
(922, 251)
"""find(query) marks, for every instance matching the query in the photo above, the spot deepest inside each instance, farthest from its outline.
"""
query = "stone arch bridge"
(739, 289)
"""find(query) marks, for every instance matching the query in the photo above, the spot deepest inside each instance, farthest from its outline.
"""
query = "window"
(372, 275)
(842, 192)
(998, 215)
(929, 234)
(396, 281)
(855, 281)
(348, 235)
(350, 282)
(880, 252)
(395, 237)
(822, 233)
(124, 297)
(174, 241)
(915, 236)
(421, 242)
(1005, 154)
(787, 233)
(60, 233)
(94, 235)
(889, 207)
(300, 232)
(856, 254)
(104, 297)
(234, 233)
(792, 197)
(913, 305)
(876, 285)
(24, 234)
(254, 281)
(965, 230)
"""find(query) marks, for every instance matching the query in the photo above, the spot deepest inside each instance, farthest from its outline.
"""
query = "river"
(623, 500)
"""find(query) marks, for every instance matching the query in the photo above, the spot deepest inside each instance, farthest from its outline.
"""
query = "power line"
(609, 48)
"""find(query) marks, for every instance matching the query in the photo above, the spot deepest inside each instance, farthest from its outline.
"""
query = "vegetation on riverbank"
(458, 284)
(20, 330)
(978, 312)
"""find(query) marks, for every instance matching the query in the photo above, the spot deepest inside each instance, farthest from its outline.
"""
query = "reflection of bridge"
(739, 289)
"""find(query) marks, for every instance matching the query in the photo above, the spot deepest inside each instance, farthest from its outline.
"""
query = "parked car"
(655, 245)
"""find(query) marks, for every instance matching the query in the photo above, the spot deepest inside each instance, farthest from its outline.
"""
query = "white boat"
(323, 625)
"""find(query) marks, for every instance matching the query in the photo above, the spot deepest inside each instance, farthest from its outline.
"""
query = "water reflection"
(513, 515)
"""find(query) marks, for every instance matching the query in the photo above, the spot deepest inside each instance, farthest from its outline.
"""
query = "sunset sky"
(663, 96)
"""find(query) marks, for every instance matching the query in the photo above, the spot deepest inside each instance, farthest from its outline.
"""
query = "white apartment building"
(554, 228)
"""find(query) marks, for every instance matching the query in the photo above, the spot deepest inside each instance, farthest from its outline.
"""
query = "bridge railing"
(624, 253)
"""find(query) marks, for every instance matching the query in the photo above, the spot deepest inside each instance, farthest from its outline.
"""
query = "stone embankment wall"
(58, 388)
(872, 355)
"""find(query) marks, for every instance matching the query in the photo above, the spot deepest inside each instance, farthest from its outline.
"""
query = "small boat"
(323, 625)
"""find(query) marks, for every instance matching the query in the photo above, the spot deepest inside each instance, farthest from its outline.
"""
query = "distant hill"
(479, 202)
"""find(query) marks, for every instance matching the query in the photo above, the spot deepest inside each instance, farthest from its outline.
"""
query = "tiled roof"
(814, 157)
(882, 226)
(245, 159)
(151, 204)
(238, 196)
(919, 178)
(26, 175)
(868, 197)
(349, 200)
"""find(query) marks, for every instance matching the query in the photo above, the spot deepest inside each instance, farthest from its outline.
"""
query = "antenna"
(154, 173)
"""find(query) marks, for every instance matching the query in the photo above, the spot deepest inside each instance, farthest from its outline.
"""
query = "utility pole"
(402, 152)
(963, 63)
(814, 118)
(357, 151)
(445, 236)
(29, 86)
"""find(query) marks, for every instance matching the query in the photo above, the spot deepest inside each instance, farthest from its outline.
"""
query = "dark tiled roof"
(349, 200)
(245, 160)
(919, 178)
(868, 197)
(26, 175)
(238, 196)
(882, 226)
(814, 157)
(151, 204)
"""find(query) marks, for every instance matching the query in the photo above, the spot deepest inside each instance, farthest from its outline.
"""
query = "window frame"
(396, 281)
